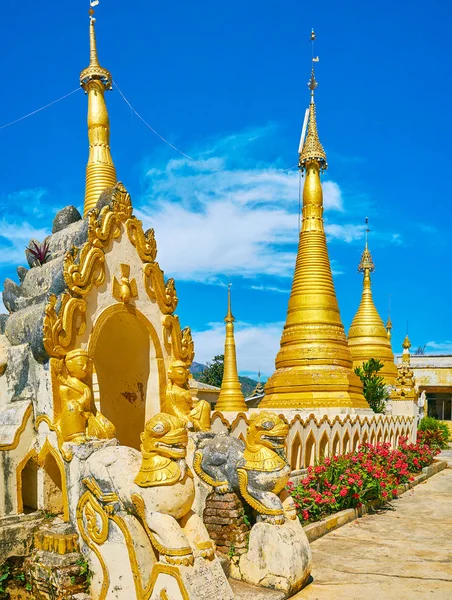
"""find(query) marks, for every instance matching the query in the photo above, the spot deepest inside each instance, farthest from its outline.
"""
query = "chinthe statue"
(257, 469)
(157, 489)
(179, 401)
(79, 419)
(278, 555)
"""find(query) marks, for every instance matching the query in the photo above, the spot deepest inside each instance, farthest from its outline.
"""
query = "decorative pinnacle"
(366, 263)
(406, 345)
(389, 322)
(312, 148)
(229, 317)
(94, 70)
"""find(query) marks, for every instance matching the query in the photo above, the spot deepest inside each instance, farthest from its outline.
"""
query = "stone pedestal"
(203, 581)
(56, 569)
(278, 557)
(224, 518)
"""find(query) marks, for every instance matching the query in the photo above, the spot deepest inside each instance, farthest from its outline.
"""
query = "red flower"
(343, 492)
(305, 514)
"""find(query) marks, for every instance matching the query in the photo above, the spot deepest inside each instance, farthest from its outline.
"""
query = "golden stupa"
(368, 337)
(231, 397)
(100, 170)
(314, 366)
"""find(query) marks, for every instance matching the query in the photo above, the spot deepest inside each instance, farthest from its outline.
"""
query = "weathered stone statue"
(78, 418)
(277, 553)
(156, 488)
(179, 401)
(257, 469)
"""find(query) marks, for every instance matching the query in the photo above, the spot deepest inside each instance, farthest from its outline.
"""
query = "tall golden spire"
(100, 170)
(314, 365)
(231, 396)
(367, 337)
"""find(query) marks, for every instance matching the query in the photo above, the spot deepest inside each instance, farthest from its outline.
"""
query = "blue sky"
(226, 83)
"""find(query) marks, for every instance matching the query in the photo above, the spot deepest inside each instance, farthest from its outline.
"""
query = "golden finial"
(95, 80)
(231, 397)
(366, 263)
(312, 149)
(229, 318)
(406, 345)
(389, 322)
(94, 70)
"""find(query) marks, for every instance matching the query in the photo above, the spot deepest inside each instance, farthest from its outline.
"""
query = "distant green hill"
(247, 383)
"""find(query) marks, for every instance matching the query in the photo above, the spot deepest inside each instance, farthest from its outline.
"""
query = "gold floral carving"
(158, 290)
(144, 242)
(178, 343)
(61, 328)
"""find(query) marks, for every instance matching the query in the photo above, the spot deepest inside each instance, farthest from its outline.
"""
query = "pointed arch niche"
(295, 453)
(336, 444)
(323, 446)
(309, 455)
(130, 370)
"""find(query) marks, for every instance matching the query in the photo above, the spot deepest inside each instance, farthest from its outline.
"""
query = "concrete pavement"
(403, 552)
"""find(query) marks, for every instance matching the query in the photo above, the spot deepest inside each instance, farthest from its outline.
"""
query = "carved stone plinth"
(56, 569)
(224, 518)
(279, 557)
(203, 581)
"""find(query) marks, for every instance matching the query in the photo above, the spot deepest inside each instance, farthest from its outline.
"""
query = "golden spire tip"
(229, 316)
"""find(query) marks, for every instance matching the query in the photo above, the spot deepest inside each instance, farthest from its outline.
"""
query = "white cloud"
(256, 345)
(270, 288)
(439, 347)
(14, 237)
(233, 220)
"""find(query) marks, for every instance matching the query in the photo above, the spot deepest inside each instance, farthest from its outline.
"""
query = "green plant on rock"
(84, 571)
(5, 573)
(231, 551)
(39, 252)
(375, 390)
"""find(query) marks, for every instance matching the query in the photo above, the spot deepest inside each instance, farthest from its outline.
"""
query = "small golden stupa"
(231, 397)
(100, 170)
(314, 366)
(368, 338)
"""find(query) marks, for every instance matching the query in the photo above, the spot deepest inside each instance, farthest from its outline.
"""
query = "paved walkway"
(402, 553)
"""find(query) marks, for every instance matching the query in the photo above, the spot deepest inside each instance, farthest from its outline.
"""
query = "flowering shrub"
(349, 480)
(433, 433)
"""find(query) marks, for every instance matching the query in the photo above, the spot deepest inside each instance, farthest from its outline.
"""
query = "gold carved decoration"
(158, 290)
(126, 289)
(144, 242)
(83, 269)
(61, 328)
(93, 526)
(178, 343)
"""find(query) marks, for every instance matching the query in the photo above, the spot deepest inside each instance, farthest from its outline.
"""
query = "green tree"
(213, 373)
(375, 390)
